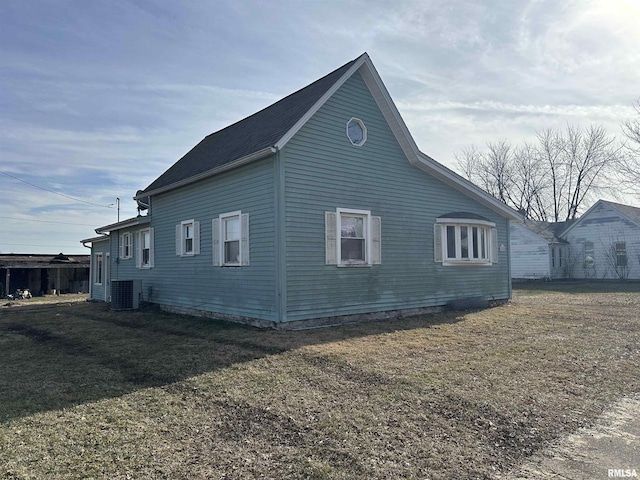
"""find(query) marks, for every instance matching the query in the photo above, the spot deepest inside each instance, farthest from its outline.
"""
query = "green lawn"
(90, 393)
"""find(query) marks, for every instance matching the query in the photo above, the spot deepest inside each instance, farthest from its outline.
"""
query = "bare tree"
(529, 183)
(550, 149)
(589, 157)
(491, 170)
(551, 180)
(630, 168)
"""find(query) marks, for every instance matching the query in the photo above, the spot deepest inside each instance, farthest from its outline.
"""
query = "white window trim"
(140, 248)
(218, 228)
(95, 266)
(364, 131)
(181, 247)
(367, 240)
(491, 232)
(123, 255)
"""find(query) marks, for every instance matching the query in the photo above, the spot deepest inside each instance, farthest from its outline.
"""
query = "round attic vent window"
(356, 131)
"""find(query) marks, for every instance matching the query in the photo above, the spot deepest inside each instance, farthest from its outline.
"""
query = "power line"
(55, 193)
(47, 221)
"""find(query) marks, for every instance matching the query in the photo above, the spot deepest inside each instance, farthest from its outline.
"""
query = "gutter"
(265, 152)
(124, 224)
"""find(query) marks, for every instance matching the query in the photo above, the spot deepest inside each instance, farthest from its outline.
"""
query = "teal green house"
(318, 209)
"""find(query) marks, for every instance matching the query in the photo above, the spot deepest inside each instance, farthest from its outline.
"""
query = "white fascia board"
(265, 152)
(454, 180)
(321, 101)
(132, 222)
(419, 159)
(101, 238)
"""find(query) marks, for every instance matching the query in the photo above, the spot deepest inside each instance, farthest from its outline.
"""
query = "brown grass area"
(89, 393)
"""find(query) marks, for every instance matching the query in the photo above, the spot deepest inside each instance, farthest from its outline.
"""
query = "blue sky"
(98, 98)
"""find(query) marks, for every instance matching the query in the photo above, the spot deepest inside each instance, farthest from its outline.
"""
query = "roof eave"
(263, 153)
(442, 173)
(132, 222)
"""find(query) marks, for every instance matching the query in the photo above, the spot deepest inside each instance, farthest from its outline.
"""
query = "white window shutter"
(196, 238)
(437, 243)
(138, 250)
(494, 245)
(178, 239)
(151, 249)
(331, 247)
(121, 253)
(376, 240)
(244, 239)
(215, 227)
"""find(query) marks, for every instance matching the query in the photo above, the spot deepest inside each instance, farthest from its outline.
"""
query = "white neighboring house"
(537, 252)
(605, 242)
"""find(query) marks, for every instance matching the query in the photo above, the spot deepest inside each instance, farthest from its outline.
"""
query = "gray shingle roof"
(632, 212)
(252, 134)
(548, 230)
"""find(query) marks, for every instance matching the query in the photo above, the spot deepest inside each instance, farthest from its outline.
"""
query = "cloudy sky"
(98, 98)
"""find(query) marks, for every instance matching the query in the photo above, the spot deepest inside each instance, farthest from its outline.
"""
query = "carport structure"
(41, 273)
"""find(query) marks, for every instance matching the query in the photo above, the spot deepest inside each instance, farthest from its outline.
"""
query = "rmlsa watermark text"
(622, 473)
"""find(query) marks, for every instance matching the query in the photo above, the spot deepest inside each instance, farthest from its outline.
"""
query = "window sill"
(354, 265)
(458, 263)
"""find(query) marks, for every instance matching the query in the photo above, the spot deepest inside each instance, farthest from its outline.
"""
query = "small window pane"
(356, 134)
(483, 244)
(352, 227)
(232, 252)
(474, 240)
(232, 229)
(451, 241)
(352, 249)
(464, 242)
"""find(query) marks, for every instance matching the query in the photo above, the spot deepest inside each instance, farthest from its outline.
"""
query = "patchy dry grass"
(88, 393)
(43, 300)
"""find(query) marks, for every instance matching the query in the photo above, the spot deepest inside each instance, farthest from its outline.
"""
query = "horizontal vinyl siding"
(529, 254)
(324, 171)
(192, 281)
(603, 227)
(98, 291)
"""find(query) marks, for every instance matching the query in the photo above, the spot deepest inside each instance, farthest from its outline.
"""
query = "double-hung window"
(352, 238)
(126, 246)
(459, 241)
(188, 238)
(231, 239)
(144, 252)
(97, 269)
(620, 251)
(588, 254)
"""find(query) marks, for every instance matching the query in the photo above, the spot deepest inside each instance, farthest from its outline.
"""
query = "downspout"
(90, 269)
(280, 239)
(509, 258)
